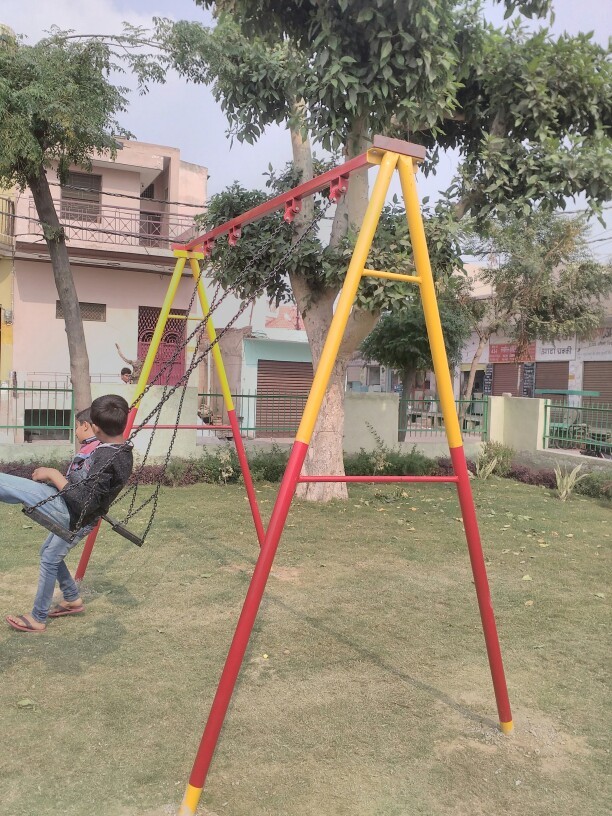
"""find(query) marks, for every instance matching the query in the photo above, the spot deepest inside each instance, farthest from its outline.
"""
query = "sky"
(186, 116)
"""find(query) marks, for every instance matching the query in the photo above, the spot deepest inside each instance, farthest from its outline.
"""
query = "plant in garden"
(485, 466)
(567, 480)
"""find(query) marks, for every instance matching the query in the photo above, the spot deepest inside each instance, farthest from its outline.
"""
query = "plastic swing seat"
(68, 535)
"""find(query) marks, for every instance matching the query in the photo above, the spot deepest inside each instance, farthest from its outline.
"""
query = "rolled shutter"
(597, 376)
(506, 379)
(554, 376)
(282, 390)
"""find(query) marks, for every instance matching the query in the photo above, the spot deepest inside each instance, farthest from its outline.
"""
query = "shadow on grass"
(69, 652)
(372, 657)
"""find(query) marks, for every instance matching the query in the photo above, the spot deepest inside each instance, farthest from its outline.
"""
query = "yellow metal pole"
(444, 384)
(212, 334)
(347, 298)
(159, 328)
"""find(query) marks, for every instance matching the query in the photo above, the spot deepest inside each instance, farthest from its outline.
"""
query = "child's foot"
(67, 608)
(25, 623)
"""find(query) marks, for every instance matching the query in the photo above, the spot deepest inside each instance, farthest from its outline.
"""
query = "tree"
(399, 340)
(544, 282)
(57, 108)
(530, 117)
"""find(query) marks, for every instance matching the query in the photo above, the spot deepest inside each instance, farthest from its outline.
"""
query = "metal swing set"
(390, 155)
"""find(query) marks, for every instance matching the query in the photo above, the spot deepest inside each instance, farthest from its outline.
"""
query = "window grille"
(89, 311)
(81, 197)
(148, 191)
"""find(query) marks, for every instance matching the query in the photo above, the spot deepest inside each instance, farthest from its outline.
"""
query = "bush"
(268, 466)
(496, 450)
(220, 467)
(597, 484)
(384, 461)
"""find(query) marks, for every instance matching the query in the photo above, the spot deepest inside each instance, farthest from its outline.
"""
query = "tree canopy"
(57, 107)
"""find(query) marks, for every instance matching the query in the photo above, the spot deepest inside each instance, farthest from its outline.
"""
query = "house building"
(571, 364)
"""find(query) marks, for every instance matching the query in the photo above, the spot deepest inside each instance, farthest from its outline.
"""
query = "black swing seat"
(68, 535)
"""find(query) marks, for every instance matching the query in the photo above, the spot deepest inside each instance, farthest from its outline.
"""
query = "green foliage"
(220, 466)
(56, 104)
(485, 466)
(546, 282)
(400, 340)
(567, 480)
(268, 465)
(597, 484)
(501, 453)
(529, 114)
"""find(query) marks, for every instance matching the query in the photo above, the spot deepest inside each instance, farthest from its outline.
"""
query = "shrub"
(567, 480)
(485, 466)
(385, 461)
(596, 484)
(496, 450)
(268, 466)
(220, 467)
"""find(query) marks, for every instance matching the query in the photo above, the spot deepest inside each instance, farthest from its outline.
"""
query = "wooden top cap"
(399, 146)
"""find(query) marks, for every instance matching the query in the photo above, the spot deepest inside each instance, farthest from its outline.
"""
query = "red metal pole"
(481, 583)
(246, 475)
(247, 617)
(383, 479)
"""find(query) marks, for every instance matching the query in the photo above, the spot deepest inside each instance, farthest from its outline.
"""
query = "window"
(46, 423)
(148, 191)
(150, 229)
(373, 377)
(89, 311)
(81, 196)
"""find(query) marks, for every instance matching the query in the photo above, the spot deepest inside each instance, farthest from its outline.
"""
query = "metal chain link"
(169, 391)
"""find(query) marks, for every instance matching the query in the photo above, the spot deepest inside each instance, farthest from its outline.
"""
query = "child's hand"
(42, 474)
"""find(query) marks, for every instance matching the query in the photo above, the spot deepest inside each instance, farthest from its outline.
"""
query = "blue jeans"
(14, 490)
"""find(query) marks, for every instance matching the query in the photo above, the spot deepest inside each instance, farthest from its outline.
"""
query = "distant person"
(102, 455)
(126, 375)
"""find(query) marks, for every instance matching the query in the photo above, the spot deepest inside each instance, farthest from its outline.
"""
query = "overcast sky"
(186, 116)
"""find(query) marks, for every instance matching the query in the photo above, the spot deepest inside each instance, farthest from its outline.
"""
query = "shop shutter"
(506, 379)
(282, 389)
(597, 376)
(554, 376)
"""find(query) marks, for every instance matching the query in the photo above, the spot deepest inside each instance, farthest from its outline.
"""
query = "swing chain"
(196, 360)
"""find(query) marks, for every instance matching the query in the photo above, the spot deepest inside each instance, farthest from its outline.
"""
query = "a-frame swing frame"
(391, 155)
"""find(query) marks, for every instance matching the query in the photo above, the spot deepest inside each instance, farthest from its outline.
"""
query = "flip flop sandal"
(60, 610)
(26, 627)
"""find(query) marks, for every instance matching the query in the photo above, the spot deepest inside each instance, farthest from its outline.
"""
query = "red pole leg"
(246, 475)
(483, 594)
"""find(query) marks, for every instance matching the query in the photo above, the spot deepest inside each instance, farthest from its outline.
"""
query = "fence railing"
(118, 225)
(423, 417)
(269, 415)
(31, 413)
(587, 428)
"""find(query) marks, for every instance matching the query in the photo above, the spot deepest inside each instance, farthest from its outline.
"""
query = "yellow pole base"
(507, 727)
(190, 801)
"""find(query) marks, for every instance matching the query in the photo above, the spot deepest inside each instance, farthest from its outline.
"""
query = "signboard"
(549, 352)
(528, 386)
(506, 353)
(599, 347)
(488, 381)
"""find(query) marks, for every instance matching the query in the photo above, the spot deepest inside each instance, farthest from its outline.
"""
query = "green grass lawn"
(365, 690)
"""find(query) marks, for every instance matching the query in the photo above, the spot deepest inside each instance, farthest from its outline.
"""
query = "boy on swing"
(100, 431)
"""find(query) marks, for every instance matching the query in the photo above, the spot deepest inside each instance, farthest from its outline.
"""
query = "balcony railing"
(119, 226)
(7, 220)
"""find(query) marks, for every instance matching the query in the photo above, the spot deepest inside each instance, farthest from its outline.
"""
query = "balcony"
(117, 226)
(7, 222)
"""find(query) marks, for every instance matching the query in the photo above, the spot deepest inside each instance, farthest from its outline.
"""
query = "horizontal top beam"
(339, 175)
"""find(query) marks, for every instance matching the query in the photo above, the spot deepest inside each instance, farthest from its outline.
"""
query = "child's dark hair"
(126, 371)
(110, 414)
(83, 416)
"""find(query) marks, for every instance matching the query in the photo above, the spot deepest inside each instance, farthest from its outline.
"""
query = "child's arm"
(51, 475)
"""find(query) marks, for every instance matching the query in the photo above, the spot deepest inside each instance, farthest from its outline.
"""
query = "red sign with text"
(506, 353)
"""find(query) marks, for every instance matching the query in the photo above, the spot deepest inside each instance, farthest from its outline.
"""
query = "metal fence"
(35, 412)
(423, 417)
(270, 415)
(587, 428)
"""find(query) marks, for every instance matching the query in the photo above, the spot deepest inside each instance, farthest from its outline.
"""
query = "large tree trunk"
(408, 376)
(326, 448)
(56, 243)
